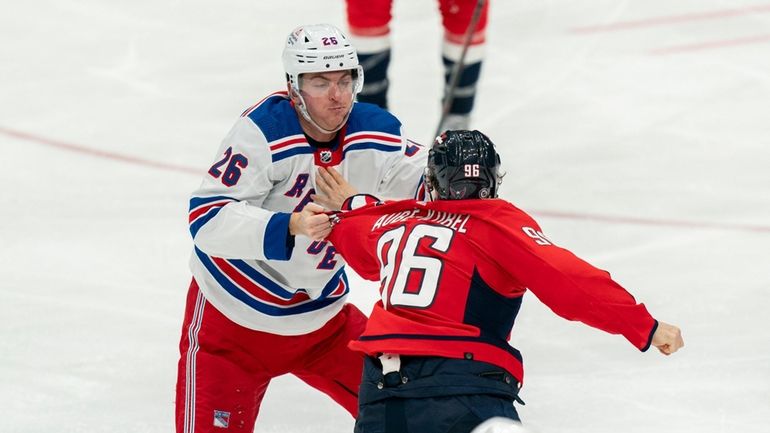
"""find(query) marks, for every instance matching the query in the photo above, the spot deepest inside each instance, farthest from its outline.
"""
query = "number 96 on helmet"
(463, 165)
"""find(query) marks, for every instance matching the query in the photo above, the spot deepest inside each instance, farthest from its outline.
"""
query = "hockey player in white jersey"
(266, 299)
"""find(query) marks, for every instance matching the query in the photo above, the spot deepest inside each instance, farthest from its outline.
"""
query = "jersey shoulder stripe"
(372, 140)
(376, 136)
(286, 147)
(368, 127)
(203, 209)
(287, 142)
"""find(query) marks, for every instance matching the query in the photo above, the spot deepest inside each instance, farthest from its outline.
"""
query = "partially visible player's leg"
(217, 385)
(434, 395)
(451, 414)
(369, 24)
(500, 425)
(456, 413)
(329, 365)
(456, 17)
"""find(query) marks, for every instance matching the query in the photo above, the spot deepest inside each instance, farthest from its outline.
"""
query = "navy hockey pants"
(433, 395)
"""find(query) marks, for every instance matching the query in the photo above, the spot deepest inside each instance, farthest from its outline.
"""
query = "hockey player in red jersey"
(369, 24)
(452, 274)
(266, 299)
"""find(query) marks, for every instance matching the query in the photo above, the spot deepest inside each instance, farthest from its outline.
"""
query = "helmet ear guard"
(463, 165)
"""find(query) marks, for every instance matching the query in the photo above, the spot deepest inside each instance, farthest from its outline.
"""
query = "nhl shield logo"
(326, 156)
(221, 419)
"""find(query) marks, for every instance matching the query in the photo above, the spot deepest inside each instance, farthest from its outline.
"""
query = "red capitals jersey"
(453, 273)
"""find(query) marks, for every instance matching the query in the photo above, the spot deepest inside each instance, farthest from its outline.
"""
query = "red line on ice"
(652, 222)
(551, 214)
(672, 19)
(702, 46)
(99, 153)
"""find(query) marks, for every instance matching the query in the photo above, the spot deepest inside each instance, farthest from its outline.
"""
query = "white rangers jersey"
(244, 261)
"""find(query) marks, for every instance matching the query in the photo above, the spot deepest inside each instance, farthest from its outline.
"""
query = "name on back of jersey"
(456, 222)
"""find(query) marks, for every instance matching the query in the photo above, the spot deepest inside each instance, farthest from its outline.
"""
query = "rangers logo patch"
(221, 419)
(326, 156)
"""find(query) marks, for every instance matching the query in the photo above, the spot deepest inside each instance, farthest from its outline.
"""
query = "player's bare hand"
(311, 222)
(332, 187)
(667, 338)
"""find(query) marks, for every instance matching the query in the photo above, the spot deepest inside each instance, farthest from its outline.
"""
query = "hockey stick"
(457, 69)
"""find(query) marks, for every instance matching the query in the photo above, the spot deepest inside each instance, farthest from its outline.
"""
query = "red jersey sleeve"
(352, 238)
(569, 286)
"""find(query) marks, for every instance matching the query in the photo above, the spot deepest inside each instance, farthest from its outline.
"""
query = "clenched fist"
(667, 338)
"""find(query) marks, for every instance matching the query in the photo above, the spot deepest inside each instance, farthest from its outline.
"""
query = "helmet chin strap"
(306, 115)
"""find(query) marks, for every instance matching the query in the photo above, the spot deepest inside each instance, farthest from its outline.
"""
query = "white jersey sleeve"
(226, 217)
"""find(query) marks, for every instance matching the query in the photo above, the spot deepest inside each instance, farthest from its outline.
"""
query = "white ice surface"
(648, 160)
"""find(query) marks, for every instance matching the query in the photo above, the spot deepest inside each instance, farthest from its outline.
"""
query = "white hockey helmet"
(320, 48)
